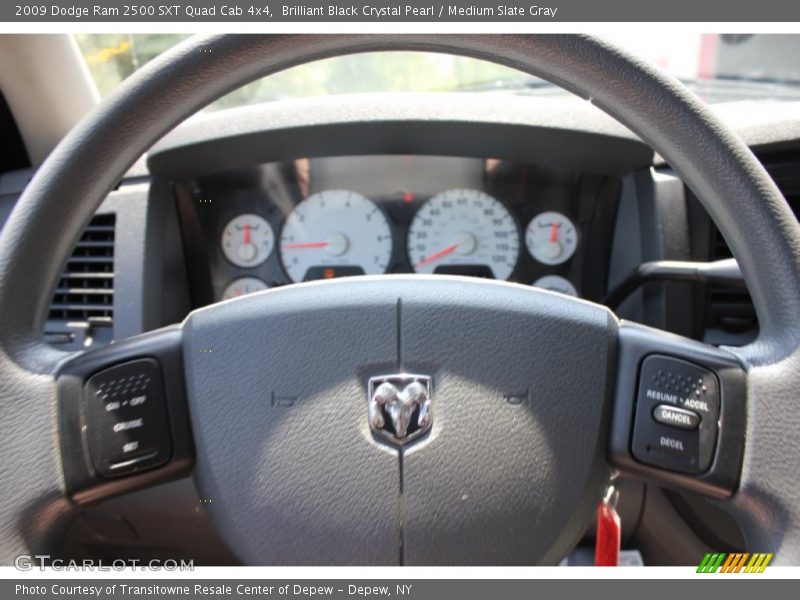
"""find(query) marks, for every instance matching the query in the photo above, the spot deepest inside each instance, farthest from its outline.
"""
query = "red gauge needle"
(247, 234)
(437, 256)
(304, 245)
(554, 232)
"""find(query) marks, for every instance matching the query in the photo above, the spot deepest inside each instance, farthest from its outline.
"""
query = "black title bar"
(414, 11)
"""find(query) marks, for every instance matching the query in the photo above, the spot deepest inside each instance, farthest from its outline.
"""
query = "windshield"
(718, 67)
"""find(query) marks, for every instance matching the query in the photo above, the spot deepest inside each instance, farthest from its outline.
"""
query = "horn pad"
(509, 472)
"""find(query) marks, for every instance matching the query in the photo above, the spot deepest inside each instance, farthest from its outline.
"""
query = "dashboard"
(537, 191)
(276, 223)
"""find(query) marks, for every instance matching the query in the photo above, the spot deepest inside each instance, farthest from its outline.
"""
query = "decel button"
(676, 417)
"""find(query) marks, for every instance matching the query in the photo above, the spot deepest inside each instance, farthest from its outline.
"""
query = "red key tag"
(606, 550)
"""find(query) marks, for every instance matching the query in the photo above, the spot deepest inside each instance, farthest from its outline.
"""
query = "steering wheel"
(400, 419)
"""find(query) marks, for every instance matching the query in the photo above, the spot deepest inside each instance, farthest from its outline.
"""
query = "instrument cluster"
(335, 217)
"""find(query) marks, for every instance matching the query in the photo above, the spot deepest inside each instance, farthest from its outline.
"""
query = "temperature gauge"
(551, 238)
(247, 240)
(242, 286)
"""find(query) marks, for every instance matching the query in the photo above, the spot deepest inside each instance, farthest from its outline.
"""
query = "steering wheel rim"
(713, 162)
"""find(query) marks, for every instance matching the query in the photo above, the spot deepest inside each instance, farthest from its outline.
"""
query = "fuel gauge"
(247, 240)
(551, 238)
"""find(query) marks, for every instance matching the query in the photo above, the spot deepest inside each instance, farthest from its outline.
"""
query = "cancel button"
(676, 417)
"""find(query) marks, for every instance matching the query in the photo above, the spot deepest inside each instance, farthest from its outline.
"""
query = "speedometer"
(465, 232)
(334, 233)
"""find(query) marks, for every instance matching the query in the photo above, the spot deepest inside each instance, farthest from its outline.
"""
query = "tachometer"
(333, 233)
(466, 232)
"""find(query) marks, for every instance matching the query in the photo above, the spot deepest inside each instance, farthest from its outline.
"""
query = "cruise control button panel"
(127, 427)
(677, 415)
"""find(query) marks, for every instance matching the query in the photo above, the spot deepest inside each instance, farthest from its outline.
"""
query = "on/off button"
(676, 417)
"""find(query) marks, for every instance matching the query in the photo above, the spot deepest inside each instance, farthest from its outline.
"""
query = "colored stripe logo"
(737, 562)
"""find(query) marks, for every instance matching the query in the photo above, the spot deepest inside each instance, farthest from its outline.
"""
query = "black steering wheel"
(401, 419)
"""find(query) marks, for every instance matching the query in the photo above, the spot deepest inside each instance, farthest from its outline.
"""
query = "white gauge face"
(551, 238)
(334, 233)
(556, 283)
(464, 231)
(242, 286)
(247, 240)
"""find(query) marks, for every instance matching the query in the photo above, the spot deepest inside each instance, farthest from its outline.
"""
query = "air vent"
(785, 170)
(730, 310)
(84, 298)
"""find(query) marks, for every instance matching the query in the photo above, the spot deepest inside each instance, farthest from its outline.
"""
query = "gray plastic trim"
(565, 133)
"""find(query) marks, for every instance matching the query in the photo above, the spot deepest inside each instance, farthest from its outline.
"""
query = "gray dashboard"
(557, 132)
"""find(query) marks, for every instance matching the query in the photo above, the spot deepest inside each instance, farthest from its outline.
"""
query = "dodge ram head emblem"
(400, 406)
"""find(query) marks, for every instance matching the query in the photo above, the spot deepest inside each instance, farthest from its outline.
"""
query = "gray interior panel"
(565, 133)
